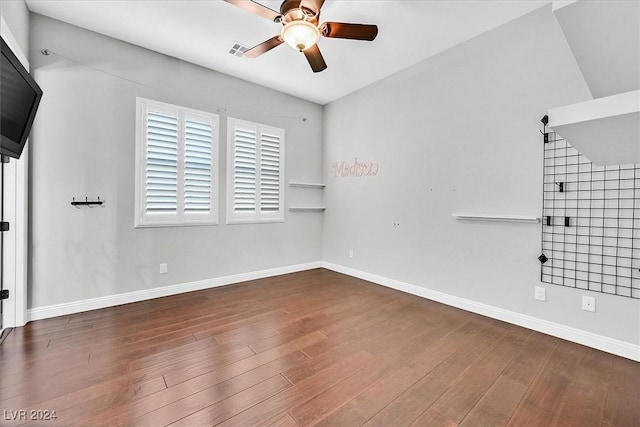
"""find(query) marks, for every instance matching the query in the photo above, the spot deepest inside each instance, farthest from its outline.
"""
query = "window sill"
(254, 221)
(173, 224)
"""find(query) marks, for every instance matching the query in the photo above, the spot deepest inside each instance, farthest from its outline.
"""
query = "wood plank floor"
(310, 348)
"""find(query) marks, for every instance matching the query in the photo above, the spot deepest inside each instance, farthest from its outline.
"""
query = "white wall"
(456, 133)
(83, 144)
(14, 18)
(459, 133)
(16, 15)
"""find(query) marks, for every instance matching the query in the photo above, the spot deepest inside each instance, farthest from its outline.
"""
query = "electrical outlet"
(589, 304)
(351, 253)
(540, 293)
(163, 268)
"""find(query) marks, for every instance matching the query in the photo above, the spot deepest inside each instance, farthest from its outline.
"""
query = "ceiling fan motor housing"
(292, 10)
(300, 19)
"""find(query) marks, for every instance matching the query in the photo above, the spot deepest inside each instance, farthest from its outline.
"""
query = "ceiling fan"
(301, 29)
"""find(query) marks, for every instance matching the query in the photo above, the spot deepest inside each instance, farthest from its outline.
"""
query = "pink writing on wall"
(356, 169)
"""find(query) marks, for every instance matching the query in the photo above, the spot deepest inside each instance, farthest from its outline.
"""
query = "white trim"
(600, 342)
(10, 254)
(15, 308)
(179, 218)
(146, 294)
(256, 216)
(21, 227)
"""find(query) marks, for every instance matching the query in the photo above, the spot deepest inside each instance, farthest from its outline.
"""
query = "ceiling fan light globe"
(300, 35)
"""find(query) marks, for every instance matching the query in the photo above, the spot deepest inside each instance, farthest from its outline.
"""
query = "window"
(255, 173)
(176, 165)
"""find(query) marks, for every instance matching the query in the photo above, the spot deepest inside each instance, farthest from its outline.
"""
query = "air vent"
(238, 49)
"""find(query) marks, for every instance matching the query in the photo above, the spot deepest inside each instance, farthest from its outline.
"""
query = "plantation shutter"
(244, 170)
(255, 166)
(161, 188)
(197, 167)
(176, 165)
(269, 172)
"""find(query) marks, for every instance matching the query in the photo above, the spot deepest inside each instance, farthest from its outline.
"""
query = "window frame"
(180, 218)
(256, 216)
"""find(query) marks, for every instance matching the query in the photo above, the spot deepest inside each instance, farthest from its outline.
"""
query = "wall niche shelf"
(307, 185)
(307, 209)
(496, 218)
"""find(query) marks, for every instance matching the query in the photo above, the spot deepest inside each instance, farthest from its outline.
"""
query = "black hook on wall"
(545, 121)
(86, 202)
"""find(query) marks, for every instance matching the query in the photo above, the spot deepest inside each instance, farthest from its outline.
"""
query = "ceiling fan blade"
(313, 5)
(257, 8)
(263, 47)
(315, 58)
(341, 30)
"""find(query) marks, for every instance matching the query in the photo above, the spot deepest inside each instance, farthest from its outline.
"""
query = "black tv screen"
(19, 99)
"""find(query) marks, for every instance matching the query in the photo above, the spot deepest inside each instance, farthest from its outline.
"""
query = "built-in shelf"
(606, 130)
(307, 208)
(603, 37)
(498, 218)
(314, 185)
(306, 185)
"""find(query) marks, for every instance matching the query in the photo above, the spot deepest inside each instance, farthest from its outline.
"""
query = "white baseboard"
(146, 294)
(600, 342)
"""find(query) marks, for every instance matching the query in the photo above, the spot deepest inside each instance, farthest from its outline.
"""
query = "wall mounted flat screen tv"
(19, 99)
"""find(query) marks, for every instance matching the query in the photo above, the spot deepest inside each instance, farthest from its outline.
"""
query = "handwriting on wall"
(354, 168)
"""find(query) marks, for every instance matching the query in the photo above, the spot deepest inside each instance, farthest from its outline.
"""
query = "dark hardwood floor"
(311, 348)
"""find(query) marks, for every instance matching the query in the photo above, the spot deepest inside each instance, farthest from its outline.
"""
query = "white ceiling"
(203, 31)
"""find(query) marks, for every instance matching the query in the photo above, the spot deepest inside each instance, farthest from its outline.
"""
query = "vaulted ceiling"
(203, 32)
